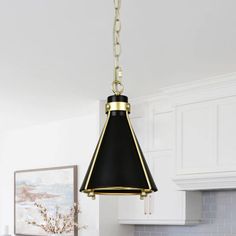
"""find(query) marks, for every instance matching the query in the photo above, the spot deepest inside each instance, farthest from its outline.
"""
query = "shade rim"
(119, 189)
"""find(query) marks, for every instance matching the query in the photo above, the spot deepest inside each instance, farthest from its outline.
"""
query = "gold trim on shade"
(138, 150)
(117, 106)
(117, 188)
(102, 191)
(97, 149)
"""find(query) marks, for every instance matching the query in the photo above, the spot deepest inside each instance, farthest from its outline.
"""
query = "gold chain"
(117, 86)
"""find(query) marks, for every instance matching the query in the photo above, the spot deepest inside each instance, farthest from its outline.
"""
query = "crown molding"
(194, 91)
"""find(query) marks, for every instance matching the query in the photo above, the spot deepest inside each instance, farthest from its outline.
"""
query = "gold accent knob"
(107, 107)
(128, 107)
(143, 195)
(92, 195)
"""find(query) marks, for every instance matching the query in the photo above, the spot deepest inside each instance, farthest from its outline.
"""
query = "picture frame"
(51, 187)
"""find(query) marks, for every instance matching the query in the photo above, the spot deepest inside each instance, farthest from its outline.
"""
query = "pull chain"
(117, 86)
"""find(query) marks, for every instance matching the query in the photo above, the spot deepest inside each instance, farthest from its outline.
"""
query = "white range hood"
(206, 135)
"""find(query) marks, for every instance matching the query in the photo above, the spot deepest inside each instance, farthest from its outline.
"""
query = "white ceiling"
(57, 54)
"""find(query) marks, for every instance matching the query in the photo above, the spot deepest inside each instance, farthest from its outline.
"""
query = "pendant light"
(118, 166)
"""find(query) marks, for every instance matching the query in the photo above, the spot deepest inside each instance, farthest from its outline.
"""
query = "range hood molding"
(211, 181)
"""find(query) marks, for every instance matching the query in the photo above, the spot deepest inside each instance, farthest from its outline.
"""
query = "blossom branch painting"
(51, 187)
(58, 223)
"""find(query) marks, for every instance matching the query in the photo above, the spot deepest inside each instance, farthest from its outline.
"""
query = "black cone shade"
(118, 165)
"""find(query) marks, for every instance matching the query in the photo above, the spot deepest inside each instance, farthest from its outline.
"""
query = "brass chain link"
(117, 86)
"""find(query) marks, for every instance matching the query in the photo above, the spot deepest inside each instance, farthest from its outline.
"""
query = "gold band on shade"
(118, 106)
(130, 191)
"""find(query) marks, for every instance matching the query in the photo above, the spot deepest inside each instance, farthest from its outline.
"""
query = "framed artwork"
(50, 187)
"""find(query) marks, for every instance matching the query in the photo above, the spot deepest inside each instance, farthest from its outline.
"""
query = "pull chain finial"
(117, 86)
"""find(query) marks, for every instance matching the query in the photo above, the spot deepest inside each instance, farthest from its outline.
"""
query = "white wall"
(109, 218)
(66, 142)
